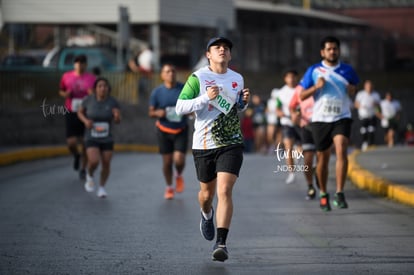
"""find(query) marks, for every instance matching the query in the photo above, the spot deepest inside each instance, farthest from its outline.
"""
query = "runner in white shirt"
(273, 128)
(216, 94)
(289, 131)
(390, 115)
(367, 102)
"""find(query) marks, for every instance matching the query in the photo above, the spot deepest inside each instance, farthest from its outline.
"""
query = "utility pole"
(123, 36)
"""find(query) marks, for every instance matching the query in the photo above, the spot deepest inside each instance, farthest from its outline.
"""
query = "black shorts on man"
(306, 138)
(74, 126)
(291, 132)
(168, 143)
(224, 159)
(324, 132)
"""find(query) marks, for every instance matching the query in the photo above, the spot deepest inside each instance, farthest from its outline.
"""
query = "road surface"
(50, 225)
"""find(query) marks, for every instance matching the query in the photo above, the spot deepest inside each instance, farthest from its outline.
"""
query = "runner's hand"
(213, 92)
(117, 115)
(320, 83)
(246, 95)
(161, 113)
(88, 124)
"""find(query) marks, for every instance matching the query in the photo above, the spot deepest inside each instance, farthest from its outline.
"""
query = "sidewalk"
(14, 154)
(383, 171)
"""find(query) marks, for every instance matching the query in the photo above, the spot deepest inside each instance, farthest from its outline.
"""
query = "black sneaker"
(82, 174)
(207, 227)
(324, 203)
(76, 162)
(220, 252)
(339, 200)
(310, 195)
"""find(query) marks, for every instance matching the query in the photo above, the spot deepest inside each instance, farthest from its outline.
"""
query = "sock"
(89, 177)
(321, 194)
(208, 215)
(222, 235)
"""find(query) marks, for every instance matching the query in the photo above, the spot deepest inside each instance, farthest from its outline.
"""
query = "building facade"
(267, 36)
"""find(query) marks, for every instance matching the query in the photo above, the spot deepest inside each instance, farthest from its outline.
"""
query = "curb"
(364, 179)
(56, 151)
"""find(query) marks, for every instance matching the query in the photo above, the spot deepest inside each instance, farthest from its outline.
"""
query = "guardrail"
(28, 89)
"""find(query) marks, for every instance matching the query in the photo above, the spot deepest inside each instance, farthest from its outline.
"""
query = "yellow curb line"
(377, 185)
(55, 151)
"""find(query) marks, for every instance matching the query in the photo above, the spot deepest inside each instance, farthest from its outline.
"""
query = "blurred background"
(39, 39)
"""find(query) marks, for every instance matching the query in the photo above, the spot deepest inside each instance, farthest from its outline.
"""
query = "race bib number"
(224, 101)
(76, 103)
(171, 115)
(100, 129)
(331, 107)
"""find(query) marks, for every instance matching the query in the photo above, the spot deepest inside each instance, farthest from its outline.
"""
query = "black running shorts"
(324, 132)
(225, 159)
(291, 132)
(102, 146)
(306, 138)
(74, 126)
(168, 143)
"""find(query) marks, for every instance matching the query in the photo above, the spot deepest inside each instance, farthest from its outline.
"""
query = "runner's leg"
(106, 157)
(322, 168)
(341, 147)
(224, 213)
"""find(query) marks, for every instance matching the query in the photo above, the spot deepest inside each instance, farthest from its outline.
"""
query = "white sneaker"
(290, 178)
(364, 146)
(101, 192)
(89, 186)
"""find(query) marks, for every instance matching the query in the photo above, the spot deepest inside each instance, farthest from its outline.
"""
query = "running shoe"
(76, 162)
(310, 195)
(220, 252)
(339, 200)
(207, 227)
(324, 203)
(101, 192)
(290, 178)
(169, 193)
(179, 184)
(82, 174)
(89, 186)
(364, 146)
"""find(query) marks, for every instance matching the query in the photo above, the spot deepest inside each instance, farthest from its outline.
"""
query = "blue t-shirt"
(332, 102)
(164, 98)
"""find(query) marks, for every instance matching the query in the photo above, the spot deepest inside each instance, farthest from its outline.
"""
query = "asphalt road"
(50, 225)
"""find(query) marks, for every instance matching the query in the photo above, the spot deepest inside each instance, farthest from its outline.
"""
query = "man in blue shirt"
(172, 130)
(330, 82)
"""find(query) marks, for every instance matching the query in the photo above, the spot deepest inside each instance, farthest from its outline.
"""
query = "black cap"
(81, 58)
(216, 40)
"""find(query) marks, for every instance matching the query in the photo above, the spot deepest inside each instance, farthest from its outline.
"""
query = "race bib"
(331, 107)
(76, 103)
(224, 101)
(171, 115)
(100, 129)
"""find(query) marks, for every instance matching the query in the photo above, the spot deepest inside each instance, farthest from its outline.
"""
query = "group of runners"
(214, 95)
